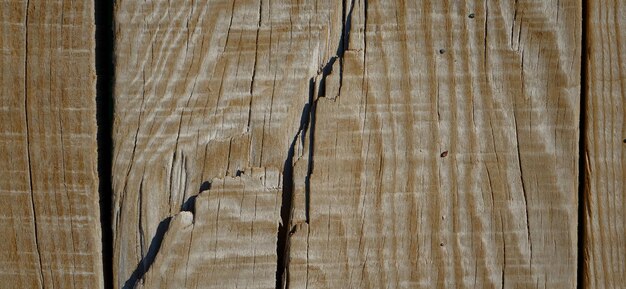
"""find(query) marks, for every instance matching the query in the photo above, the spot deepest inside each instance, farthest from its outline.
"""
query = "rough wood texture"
(49, 216)
(204, 90)
(445, 152)
(605, 146)
(228, 242)
(421, 143)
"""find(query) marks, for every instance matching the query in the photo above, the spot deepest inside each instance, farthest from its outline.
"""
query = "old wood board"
(209, 90)
(49, 212)
(605, 146)
(444, 150)
(363, 144)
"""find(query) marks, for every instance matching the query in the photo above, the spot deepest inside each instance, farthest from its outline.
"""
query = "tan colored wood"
(205, 89)
(419, 146)
(445, 153)
(228, 242)
(605, 146)
(49, 216)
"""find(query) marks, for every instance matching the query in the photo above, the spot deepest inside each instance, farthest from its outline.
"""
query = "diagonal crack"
(146, 262)
(307, 125)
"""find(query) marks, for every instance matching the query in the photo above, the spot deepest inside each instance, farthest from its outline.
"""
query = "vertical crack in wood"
(28, 154)
(307, 125)
(364, 30)
(344, 41)
(486, 35)
(524, 191)
(582, 153)
(282, 244)
(256, 56)
(104, 50)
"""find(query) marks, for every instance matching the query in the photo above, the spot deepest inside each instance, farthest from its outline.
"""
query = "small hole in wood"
(471, 16)
(444, 154)
(442, 51)
(625, 140)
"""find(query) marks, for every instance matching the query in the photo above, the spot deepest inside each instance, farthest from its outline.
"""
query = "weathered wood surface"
(49, 216)
(444, 153)
(236, 217)
(416, 144)
(605, 146)
(204, 90)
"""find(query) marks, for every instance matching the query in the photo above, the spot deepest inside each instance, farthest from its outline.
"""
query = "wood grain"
(444, 151)
(416, 146)
(605, 146)
(229, 241)
(49, 213)
(204, 90)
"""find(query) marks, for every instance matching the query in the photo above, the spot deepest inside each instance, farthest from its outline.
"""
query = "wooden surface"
(324, 144)
(426, 144)
(229, 241)
(49, 213)
(605, 146)
(317, 144)
(445, 153)
(204, 90)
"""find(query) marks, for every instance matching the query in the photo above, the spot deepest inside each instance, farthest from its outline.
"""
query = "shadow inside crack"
(146, 261)
(282, 245)
(155, 244)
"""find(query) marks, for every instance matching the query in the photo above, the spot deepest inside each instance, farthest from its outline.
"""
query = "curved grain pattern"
(419, 147)
(204, 90)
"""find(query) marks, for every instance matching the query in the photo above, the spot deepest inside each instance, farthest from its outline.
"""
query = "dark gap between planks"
(104, 117)
(582, 199)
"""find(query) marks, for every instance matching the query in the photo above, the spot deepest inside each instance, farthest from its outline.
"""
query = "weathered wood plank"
(49, 216)
(204, 90)
(229, 241)
(419, 146)
(444, 151)
(605, 146)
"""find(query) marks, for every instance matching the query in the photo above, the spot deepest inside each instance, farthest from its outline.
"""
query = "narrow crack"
(146, 262)
(307, 125)
(365, 28)
(344, 41)
(503, 270)
(28, 154)
(486, 35)
(582, 152)
(524, 191)
(104, 39)
(256, 56)
(282, 244)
